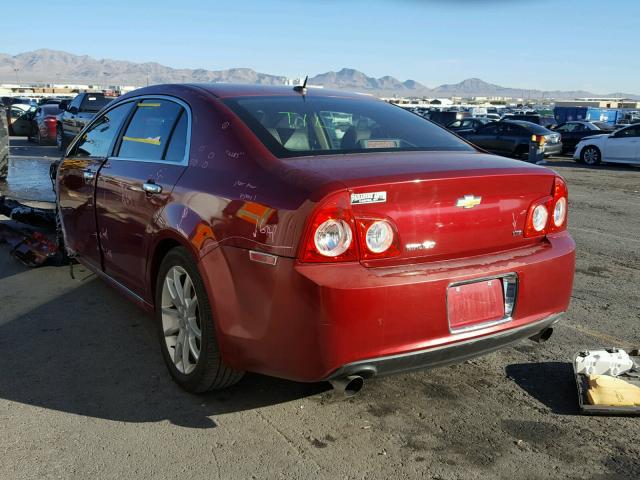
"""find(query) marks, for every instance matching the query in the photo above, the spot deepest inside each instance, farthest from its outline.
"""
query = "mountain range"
(53, 66)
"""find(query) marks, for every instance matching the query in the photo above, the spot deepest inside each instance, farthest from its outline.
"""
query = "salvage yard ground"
(84, 392)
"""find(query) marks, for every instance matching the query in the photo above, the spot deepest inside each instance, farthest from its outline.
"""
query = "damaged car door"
(135, 183)
(76, 181)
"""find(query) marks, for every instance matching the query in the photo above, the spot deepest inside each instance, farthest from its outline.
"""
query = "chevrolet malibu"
(311, 235)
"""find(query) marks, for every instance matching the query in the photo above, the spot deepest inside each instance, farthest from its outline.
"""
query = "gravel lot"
(84, 393)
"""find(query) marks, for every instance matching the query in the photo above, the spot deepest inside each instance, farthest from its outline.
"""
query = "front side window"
(294, 126)
(99, 137)
(489, 129)
(567, 127)
(147, 136)
(629, 132)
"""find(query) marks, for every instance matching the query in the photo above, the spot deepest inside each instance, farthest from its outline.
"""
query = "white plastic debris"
(603, 362)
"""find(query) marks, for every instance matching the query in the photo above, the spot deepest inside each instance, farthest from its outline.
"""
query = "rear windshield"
(49, 109)
(93, 103)
(294, 126)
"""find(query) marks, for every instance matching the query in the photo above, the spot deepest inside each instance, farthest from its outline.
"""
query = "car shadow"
(91, 353)
(551, 383)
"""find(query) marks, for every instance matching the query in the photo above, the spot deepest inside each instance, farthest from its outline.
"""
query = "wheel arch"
(165, 242)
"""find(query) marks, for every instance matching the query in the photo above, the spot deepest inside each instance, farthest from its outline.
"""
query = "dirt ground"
(84, 392)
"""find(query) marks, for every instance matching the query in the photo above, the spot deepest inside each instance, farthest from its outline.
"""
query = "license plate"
(475, 303)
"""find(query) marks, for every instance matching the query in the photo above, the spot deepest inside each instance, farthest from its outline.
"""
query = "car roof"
(226, 90)
(528, 125)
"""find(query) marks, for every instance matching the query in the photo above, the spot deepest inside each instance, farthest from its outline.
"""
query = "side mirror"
(73, 110)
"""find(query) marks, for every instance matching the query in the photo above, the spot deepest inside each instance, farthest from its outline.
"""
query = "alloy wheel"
(591, 156)
(181, 322)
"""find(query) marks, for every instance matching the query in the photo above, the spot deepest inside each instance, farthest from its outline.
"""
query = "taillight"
(333, 234)
(50, 120)
(548, 214)
(560, 205)
(539, 139)
(330, 235)
(378, 238)
(538, 218)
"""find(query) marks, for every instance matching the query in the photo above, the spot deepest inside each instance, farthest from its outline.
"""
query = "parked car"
(76, 114)
(493, 116)
(512, 138)
(264, 240)
(573, 132)
(44, 124)
(621, 146)
(468, 124)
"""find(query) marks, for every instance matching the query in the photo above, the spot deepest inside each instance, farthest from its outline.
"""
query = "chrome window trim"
(182, 103)
(478, 326)
(187, 150)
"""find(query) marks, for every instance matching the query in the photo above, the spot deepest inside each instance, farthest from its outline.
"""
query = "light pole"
(17, 78)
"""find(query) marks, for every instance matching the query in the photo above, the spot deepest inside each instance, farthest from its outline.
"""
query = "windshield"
(294, 126)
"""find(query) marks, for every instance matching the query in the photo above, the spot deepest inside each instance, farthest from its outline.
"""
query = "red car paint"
(276, 312)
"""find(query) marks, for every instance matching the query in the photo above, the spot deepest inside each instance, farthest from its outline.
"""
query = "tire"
(176, 318)
(590, 155)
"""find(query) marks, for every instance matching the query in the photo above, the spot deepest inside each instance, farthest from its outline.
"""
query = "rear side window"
(489, 129)
(93, 103)
(98, 139)
(147, 136)
(178, 141)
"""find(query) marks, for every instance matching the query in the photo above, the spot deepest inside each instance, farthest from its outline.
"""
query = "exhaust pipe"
(348, 386)
(542, 336)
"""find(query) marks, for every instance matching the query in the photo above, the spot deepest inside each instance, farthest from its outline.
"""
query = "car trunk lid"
(444, 204)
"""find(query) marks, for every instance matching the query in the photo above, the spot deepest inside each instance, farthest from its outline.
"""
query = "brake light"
(537, 218)
(378, 238)
(548, 214)
(330, 235)
(333, 234)
(50, 120)
(539, 139)
(560, 206)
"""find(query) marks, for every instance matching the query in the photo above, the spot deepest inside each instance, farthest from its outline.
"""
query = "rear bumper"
(553, 149)
(446, 355)
(309, 322)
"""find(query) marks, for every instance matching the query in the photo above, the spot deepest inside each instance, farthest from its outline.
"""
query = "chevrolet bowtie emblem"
(468, 201)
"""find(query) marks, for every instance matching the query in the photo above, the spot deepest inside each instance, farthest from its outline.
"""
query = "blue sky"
(545, 44)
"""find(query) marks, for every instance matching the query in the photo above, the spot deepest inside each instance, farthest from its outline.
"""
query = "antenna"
(302, 88)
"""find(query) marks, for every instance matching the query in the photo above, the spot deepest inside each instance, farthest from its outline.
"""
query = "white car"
(621, 146)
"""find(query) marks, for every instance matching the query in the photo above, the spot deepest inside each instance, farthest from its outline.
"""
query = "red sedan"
(43, 124)
(311, 234)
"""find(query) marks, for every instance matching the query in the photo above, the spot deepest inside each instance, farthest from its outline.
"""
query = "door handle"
(151, 188)
(88, 175)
